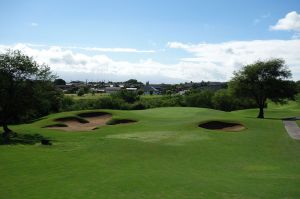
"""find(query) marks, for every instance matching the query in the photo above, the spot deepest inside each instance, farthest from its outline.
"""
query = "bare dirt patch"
(222, 126)
(85, 122)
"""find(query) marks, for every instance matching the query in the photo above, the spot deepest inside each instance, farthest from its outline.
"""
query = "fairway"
(162, 155)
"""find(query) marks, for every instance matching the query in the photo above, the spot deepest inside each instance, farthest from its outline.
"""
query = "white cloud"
(94, 49)
(33, 24)
(290, 22)
(261, 18)
(63, 60)
(210, 62)
(224, 58)
(115, 50)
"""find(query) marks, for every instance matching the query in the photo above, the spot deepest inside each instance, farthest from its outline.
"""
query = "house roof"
(149, 88)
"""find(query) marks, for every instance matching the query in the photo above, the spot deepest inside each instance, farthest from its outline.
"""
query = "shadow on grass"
(30, 139)
(266, 118)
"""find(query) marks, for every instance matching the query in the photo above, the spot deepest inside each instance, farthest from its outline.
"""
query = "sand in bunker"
(73, 125)
(223, 126)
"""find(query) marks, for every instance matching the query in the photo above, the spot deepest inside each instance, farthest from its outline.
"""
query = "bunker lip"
(92, 114)
(120, 121)
(87, 121)
(222, 126)
(71, 118)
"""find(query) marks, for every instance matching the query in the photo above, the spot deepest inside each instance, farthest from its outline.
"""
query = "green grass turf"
(163, 155)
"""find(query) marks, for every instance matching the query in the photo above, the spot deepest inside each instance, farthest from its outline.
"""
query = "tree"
(22, 85)
(59, 82)
(134, 83)
(81, 92)
(264, 80)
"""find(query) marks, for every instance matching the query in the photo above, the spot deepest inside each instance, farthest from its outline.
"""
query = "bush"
(127, 96)
(109, 103)
(199, 99)
(140, 92)
(138, 106)
(127, 100)
(163, 101)
(225, 101)
(80, 92)
(67, 102)
(222, 100)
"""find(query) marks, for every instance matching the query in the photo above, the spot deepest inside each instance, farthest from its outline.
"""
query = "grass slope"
(163, 155)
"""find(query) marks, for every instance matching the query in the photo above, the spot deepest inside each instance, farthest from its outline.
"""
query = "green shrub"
(199, 99)
(223, 100)
(67, 102)
(80, 92)
(127, 96)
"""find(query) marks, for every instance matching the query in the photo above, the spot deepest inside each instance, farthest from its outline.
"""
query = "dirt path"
(292, 127)
(77, 126)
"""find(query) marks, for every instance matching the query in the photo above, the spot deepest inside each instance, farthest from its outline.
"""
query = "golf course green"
(162, 154)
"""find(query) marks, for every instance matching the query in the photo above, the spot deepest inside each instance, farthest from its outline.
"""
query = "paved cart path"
(292, 127)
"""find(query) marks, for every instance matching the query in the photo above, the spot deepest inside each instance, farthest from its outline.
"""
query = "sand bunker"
(85, 122)
(223, 126)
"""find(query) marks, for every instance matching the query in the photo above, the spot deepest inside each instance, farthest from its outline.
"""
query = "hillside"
(163, 155)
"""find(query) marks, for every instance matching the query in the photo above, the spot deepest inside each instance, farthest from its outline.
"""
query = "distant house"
(150, 90)
(98, 90)
(77, 83)
(112, 89)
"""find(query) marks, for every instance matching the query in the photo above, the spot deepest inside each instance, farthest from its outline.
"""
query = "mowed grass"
(164, 155)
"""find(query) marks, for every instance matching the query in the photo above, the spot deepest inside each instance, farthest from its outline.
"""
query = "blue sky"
(160, 41)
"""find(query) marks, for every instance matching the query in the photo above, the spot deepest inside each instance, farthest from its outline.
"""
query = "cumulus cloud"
(95, 49)
(117, 50)
(209, 62)
(226, 57)
(290, 22)
(63, 60)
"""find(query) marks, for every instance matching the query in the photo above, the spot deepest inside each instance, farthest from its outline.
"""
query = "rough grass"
(164, 155)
